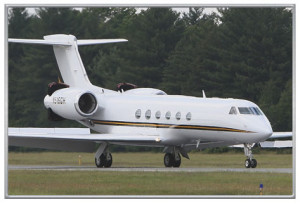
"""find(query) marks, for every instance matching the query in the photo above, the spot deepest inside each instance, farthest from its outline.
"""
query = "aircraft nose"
(267, 133)
(266, 130)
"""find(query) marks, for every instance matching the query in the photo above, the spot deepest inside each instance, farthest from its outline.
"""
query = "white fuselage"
(183, 119)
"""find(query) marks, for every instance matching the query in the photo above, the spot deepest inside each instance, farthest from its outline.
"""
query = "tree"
(193, 66)
(258, 44)
(152, 35)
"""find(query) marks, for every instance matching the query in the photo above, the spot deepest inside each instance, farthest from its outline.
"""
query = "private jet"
(136, 116)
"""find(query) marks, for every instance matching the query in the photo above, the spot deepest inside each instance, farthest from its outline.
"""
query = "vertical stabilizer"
(69, 60)
(67, 56)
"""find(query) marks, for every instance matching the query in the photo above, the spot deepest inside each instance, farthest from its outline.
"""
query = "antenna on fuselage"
(203, 94)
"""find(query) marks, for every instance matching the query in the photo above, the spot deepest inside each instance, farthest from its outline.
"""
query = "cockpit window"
(250, 110)
(233, 111)
(256, 111)
(260, 113)
(245, 110)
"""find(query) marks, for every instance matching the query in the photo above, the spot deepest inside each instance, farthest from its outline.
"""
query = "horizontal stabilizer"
(99, 41)
(41, 42)
(65, 43)
(67, 56)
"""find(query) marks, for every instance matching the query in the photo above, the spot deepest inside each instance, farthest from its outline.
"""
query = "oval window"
(138, 113)
(189, 116)
(148, 114)
(178, 115)
(157, 115)
(168, 115)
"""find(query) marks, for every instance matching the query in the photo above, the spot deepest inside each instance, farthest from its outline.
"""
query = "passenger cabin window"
(168, 115)
(189, 116)
(178, 115)
(233, 111)
(157, 115)
(148, 114)
(138, 113)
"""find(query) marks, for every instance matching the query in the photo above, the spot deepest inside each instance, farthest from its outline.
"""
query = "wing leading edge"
(72, 139)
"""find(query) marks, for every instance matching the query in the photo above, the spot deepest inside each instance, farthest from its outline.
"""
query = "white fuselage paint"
(210, 118)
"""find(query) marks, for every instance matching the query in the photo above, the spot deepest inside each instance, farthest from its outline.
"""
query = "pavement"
(149, 169)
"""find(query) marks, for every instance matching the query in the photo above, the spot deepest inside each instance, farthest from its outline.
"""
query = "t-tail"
(67, 56)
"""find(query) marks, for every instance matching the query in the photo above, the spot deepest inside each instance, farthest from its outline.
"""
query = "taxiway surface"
(149, 169)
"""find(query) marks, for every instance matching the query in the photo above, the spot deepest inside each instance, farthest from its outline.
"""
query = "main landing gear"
(105, 160)
(172, 157)
(172, 160)
(103, 157)
(250, 162)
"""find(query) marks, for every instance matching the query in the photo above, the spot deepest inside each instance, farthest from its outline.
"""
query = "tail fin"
(67, 56)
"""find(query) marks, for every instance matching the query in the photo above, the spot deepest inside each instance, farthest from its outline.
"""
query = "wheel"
(108, 160)
(100, 161)
(253, 163)
(247, 163)
(177, 160)
(169, 160)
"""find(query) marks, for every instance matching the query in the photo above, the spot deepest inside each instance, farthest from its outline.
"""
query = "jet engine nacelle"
(72, 103)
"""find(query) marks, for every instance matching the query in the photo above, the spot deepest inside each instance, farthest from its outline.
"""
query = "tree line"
(234, 53)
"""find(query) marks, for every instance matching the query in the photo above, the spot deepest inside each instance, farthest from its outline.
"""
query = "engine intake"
(72, 103)
(87, 103)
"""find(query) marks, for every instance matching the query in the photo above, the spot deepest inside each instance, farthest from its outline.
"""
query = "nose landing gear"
(250, 162)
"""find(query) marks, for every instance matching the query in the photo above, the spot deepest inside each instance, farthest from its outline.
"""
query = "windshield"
(249, 110)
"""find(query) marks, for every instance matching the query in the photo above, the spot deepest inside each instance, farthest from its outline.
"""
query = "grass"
(43, 182)
(145, 183)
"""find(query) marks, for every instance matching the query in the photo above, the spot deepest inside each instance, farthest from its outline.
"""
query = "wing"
(73, 139)
(281, 135)
(276, 143)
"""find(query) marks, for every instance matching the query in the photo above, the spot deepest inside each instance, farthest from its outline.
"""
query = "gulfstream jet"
(136, 116)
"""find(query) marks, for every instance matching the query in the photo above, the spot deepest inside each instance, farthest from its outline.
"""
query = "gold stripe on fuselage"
(158, 125)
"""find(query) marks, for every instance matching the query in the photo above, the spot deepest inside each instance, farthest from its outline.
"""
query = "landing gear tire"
(250, 163)
(247, 163)
(108, 161)
(105, 160)
(253, 163)
(177, 160)
(172, 160)
(169, 160)
(100, 161)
